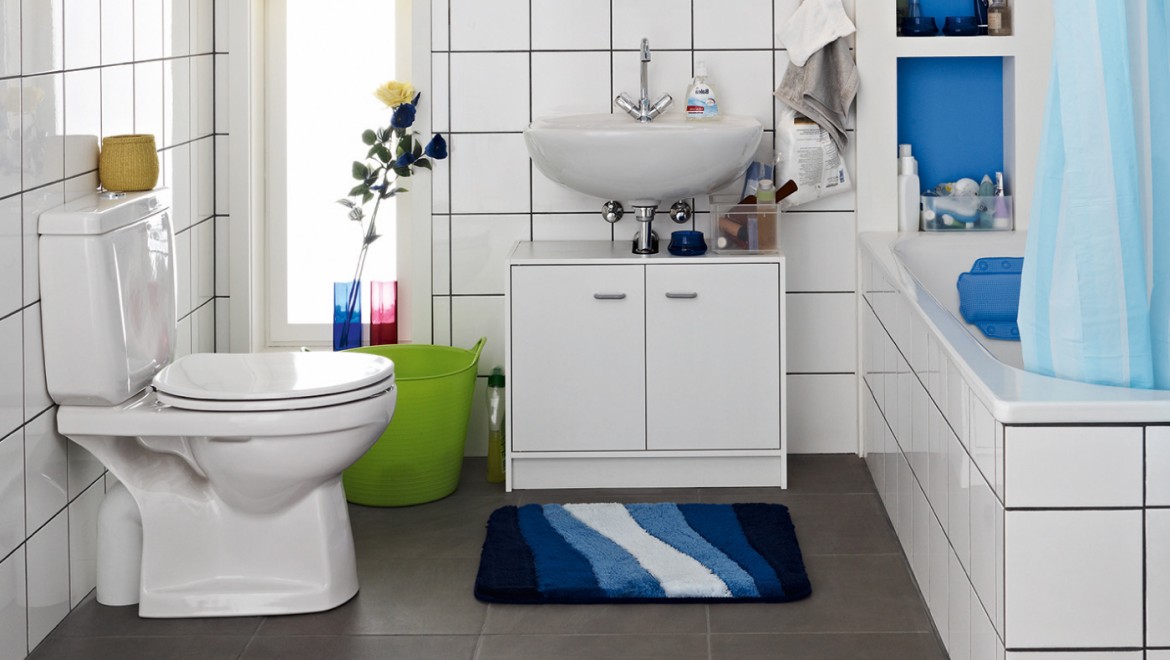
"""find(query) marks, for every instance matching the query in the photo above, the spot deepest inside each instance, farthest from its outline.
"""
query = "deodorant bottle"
(909, 190)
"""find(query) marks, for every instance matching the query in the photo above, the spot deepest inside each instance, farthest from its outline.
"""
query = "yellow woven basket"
(128, 163)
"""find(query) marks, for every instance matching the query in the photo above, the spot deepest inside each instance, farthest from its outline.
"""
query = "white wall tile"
(489, 92)
(476, 441)
(48, 578)
(959, 611)
(202, 179)
(920, 552)
(183, 338)
(440, 24)
(440, 93)
(202, 262)
(479, 166)
(822, 414)
(586, 90)
(9, 38)
(176, 165)
(473, 317)
(42, 43)
(820, 251)
(441, 254)
(46, 465)
(10, 156)
(222, 325)
(11, 270)
(959, 499)
(938, 486)
(480, 245)
(666, 23)
(670, 72)
(117, 31)
(983, 541)
(441, 320)
(176, 101)
(12, 527)
(84, 467)
(1064, 467)
(148, 99)
(117, 100)
(222, 31)
(938, 597)
(148, 29)
(742, 81)
(981, 437)
(1157, 465)
(202, 26)
(36, 393)
(83, 124)
(441, 187)
(42, 147)
(822, 332)
(983, 638)
(34, 203)
(570, 227)
(223, 173)
(80, 186)
(183, 271)
(579, 25)
(13, 610)
(1157, 577)
(176, 28)
(222, 264)
(202, 95)
(203, 329)
(1088, 655)
(498, 25)
(83, 517)
(1086, 565)
(551, 197)
(904, 522)
(82, 19)
(742, 24)
(222, 104)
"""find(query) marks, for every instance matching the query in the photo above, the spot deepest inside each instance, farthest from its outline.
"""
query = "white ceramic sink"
(616, 157)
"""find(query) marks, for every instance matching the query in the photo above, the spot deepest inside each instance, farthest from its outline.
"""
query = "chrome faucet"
(643, 110)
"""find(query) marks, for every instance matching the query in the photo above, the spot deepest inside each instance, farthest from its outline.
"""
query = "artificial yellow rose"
(395, 93)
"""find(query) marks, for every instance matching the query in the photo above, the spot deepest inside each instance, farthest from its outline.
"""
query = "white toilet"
(234, 460)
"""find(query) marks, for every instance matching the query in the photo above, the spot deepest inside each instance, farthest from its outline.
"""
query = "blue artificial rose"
(437, 147)
(403, 116)
(405, 160)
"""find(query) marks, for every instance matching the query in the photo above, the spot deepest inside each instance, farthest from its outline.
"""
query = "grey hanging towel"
(823, 89)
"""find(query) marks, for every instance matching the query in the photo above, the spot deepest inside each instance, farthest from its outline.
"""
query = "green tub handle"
(478, 348)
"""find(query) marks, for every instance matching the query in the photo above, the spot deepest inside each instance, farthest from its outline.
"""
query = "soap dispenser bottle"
(701, 103)
(909, 190)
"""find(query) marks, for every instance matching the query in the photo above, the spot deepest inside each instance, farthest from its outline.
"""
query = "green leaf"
(406, 144)
(384, 135)
(360, 171)
(356, 214)
(382, 153)
(359, 189)
(418, 149)
(367, 196)
(347, 203)
(403, 171)
(423, 163)
(369, 137)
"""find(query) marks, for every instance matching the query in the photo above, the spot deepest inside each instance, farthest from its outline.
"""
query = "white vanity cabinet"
(629, 371)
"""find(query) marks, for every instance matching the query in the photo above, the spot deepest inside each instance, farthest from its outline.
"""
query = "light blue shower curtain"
(1091, 308)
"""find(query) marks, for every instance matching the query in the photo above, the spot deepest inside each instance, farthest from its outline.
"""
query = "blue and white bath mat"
(641, 553)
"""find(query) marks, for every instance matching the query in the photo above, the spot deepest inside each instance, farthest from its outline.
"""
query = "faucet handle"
(645, 49)
(624, 102)
(660, 105)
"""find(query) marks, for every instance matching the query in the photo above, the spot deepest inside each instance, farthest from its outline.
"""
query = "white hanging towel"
(814, 25)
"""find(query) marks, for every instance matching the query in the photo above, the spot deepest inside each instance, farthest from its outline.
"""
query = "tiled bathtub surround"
(1022, 537)
(72, 71)
(496, 65)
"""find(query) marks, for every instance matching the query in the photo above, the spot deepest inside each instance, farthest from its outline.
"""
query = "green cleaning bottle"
(495, 404)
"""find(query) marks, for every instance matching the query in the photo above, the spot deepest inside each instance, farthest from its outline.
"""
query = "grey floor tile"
(363, 647)
(828, 473)
(91, 619)
(832, 524)
(447, 529)
(592, 647)
(851, 593)
(398, 597)
(869, 646)
(622, 495)
(129, 648)
(595, 619)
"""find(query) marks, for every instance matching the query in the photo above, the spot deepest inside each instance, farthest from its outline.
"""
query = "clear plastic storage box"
(742, 228)
(967, 213)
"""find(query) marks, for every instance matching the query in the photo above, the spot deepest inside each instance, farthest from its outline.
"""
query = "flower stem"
(368, 237)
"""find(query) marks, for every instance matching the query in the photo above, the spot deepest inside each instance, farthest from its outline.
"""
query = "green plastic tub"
(420, 455)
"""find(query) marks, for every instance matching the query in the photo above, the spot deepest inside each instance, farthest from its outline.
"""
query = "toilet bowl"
(233, 460)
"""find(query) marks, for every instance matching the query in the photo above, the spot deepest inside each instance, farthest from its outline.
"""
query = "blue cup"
(687, 243)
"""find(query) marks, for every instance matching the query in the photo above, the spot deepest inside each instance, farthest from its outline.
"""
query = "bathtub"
(1026, 505)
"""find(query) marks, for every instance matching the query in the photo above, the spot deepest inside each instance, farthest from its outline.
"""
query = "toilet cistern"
(643, 110)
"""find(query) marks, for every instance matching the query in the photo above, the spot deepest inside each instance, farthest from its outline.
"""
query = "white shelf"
(955, 47)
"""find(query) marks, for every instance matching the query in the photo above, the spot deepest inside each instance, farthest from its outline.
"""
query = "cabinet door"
(578, 373)
(713, 356)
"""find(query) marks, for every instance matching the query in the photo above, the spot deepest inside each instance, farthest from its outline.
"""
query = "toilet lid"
(219, 381)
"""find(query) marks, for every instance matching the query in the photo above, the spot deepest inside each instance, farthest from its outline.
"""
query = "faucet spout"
(644, 88)
(643, 109)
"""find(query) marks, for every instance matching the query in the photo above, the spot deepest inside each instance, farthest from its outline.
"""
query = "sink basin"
(618, 158)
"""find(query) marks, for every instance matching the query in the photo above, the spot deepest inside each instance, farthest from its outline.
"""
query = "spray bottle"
(495, 406)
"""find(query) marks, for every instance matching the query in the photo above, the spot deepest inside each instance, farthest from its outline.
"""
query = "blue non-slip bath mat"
(641, 553)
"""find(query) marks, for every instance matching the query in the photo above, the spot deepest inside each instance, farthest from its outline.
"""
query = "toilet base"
(218, 597)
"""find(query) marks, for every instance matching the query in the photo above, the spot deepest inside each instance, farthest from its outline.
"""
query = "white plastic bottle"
(909, 190)
(701, 103)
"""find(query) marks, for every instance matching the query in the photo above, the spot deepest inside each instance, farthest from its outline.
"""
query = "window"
(323, 62)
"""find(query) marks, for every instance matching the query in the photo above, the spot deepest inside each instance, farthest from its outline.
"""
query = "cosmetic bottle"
(999, 18)
(701, 102)
(981, 15)
(909, 190)
(496, 448)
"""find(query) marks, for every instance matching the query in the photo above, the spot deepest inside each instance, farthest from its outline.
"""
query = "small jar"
(999, 18)
(128, 163)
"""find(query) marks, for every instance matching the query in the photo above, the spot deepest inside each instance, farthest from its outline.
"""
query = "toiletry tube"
(751, 182)
(734, 229)
(753, 232)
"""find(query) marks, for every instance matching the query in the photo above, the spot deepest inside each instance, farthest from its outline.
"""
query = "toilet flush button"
(112, 194)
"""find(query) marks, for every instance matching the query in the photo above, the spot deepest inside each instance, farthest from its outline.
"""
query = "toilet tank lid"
(99, 213)
(257, 376)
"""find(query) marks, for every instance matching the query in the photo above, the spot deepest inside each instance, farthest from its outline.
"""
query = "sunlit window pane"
(338, 53)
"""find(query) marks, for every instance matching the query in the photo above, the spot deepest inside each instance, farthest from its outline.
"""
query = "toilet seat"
(245, 382)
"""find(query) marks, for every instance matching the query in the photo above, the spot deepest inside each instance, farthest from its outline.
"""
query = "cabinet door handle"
(690, 295)
(610, 296)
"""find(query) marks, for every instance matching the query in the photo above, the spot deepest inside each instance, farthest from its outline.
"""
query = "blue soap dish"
(921, 26)
(687, 244)
(961, 26)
